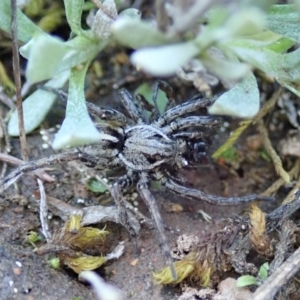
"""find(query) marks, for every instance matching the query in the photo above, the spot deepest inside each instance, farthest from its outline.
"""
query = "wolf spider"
(148, 148)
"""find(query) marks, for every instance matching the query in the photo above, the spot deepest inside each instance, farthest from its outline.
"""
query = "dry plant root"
(271, 235)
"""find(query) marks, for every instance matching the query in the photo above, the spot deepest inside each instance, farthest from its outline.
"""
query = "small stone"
(134, 262)
(19, 264)
(17, 271)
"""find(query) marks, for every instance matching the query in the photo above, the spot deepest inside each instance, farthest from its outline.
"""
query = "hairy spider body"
(156, 151)
(148, 150)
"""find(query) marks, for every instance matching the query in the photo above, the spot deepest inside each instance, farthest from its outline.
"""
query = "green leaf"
(285, 68)
(230, 155)
(48, 56)
(241, 101)
(132, 13)
(159, 61)
(246, 21)
(246, 280)
(96, 186)
(282, 45)
(293, 87)
(78, 128)
(297, 5)
(224, 68)
(284, 19)
(36, 106)
(74, 10)
(83, 50)
(147, 91)
(135, 33)
(44, 54)
(265, 39)
(263, 271)
(26, 28)
(264, 5)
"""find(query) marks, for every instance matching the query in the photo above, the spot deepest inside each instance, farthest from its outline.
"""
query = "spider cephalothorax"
(148, 149)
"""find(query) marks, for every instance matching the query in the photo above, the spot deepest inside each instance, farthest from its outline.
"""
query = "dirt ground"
(27, 275)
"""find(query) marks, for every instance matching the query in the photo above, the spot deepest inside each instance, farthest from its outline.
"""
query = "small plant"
(210, 40)
(246, 280)
(71, 242)
(95, 186)
(54, 263)
(33, 237)
(50, 58)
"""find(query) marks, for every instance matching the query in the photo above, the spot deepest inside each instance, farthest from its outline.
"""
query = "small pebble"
(19, 264)
(17, 271)
(134, 262)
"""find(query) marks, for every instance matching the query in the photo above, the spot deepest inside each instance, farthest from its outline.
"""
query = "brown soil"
(34, 279)
(24, 275)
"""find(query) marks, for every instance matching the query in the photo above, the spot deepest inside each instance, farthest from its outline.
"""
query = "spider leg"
(126, 217)
(143, 188)
(192, 121)
(128, 102)
(156, 112)
(189, 134)
(111, 115)
(199, 195)
(41, 163)
(102, 113)
(144, 107)
(168, 91)
(190, 106)
(161, 85)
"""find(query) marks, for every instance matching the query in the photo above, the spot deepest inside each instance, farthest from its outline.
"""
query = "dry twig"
(268, 106)
(245, 124)
(275, 282)
(275, 157)
(40, 173)
(161, 15)
(184, 20)
(5, 99)
(293, 173)
(44, 212)
(16, 68)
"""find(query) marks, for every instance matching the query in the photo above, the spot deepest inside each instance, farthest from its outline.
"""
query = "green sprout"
(96, 186)
(230, 155)
(247, 280)
(265, 155)
(33, 237)
(54, 263)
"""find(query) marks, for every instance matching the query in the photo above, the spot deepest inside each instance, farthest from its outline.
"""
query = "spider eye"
(184, 162)
(200, 147)
(199, 153)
